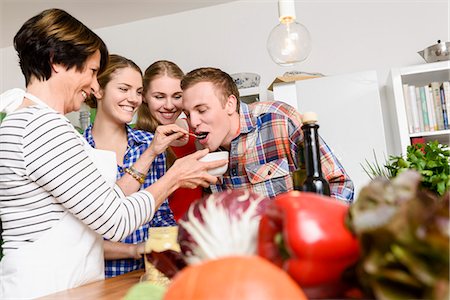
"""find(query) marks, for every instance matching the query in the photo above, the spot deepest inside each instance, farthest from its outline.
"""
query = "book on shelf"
(418, 140)
(423, 101)
(427, 107)
(430, 107)
(411, 94)
(416, 94)
(446, 88)
(445, 101)
(437, 104)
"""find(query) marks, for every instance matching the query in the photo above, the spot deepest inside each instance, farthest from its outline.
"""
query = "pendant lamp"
(289, 42)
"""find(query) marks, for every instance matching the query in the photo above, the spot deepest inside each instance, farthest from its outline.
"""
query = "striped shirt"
(138, 142)
(263, 156)
(45, 170)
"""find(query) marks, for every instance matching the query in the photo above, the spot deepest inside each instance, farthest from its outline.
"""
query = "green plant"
(431, 160)
(374, 170)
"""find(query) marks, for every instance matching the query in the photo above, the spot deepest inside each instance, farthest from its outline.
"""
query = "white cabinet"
(350, 118)
(419, 75)
(249, 95)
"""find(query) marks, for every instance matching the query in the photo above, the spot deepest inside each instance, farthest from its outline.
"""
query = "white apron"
(68, 255)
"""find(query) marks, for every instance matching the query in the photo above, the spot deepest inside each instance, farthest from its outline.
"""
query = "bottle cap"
(309, 117)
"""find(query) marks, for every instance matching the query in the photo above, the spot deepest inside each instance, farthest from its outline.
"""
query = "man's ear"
(231, 104)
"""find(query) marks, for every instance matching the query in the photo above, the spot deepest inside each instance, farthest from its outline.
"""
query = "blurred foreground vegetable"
(404, 236)
(235, 277)
(305, 234)
(221, 224)
(145, 291)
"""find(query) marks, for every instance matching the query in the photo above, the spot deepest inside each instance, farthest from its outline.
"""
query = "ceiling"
(93, 13)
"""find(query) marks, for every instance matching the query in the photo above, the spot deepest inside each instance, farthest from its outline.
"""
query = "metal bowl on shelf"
(436, 52)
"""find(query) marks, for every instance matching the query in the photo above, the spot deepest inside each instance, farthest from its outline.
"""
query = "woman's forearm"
(119, 250)
(163, 187)
(164, 136)
(127, 183)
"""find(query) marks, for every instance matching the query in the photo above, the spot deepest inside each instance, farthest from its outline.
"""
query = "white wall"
(348, 36)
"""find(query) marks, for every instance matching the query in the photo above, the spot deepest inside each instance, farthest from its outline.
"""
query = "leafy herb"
(431, 160)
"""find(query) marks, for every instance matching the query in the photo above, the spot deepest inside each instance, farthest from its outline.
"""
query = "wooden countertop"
(111, 288)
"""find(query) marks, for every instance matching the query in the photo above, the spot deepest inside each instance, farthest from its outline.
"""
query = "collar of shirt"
(89, 137)
(247, 120)
(134, 137)
(138, 137)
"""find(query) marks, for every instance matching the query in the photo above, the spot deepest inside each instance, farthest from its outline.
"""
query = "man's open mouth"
(202, 135)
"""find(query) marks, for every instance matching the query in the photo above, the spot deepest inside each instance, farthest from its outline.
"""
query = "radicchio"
(221, 224)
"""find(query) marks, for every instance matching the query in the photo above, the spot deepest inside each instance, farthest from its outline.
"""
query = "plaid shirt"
(138, 142)
(263, 156)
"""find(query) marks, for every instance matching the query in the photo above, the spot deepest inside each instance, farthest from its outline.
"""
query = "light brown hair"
(115, 63)
(54, 36)
(160, 68)
(145, 120)
(222, 81)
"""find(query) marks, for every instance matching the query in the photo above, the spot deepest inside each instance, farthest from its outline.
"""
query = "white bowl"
(246, 80)
(213, 156)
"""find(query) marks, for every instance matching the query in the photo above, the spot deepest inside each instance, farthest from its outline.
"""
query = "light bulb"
(289, 42)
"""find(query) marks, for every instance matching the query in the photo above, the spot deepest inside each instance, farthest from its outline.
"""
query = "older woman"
(55, 201)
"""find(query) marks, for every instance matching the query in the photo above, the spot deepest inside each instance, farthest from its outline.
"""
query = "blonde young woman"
(163, 106)
(57, 199)
(118, 98)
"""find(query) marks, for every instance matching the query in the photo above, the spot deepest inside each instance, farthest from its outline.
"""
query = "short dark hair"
(54, 36)
(220, 79)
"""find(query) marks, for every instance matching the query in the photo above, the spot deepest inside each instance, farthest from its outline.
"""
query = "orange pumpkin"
(234, 277)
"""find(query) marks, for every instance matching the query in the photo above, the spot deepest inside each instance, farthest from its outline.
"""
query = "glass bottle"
(314, 182)
(299, 175)
(163, 257)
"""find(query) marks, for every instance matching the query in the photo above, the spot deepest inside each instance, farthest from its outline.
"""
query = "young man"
(262, 138)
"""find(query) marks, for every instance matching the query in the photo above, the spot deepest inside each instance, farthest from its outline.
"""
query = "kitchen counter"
(111, 288)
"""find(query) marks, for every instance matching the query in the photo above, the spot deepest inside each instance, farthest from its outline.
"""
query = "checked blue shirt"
(138, 142)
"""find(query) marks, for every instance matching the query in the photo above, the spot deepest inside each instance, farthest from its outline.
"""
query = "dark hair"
(54, 36)
(145, 120)
(222, 82)
(115, 62)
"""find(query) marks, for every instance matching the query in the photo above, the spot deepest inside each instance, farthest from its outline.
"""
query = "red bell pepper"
(318, 244)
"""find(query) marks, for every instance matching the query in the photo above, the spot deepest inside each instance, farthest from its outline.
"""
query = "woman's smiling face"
(164, 99)
(122, 95)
